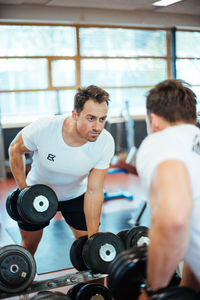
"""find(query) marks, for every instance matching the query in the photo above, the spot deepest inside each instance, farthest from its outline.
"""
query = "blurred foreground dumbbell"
(36, 204)
(175, 293)
(137, 236)
(96, 252)
(127, 274)
(87, 291)
(48, 295)
(17, 269)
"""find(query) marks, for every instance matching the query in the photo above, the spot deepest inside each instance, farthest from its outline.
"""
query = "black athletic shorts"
(72, 211)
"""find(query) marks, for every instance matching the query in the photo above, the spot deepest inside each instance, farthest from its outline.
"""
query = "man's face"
(91, 120)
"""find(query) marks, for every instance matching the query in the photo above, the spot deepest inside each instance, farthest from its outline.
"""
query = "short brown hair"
(92, 92)
(173, 100)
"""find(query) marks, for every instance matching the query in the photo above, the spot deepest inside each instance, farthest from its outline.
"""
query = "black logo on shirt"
(51, 157)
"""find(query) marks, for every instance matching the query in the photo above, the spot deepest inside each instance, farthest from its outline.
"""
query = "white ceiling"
(184, 14)
(191, 7)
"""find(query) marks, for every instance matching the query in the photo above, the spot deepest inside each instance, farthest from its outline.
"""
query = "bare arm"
(17, 152)
(171, 200)
(93, 200)
(189, 279)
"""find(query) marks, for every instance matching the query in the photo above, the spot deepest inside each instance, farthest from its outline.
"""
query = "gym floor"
(113, 183)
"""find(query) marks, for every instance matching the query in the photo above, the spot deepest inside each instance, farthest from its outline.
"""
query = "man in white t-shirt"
(72, 156)
(168, 163)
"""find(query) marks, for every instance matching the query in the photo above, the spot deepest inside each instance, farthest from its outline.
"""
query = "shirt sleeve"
(107, 152)
(155, 149)
(31, 134)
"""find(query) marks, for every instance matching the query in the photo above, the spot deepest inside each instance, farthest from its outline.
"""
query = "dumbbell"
(137, 236)
(17, 269)
(87, 291)
(175, 293)
(48, 295)
(96, 252)
(127, 274)
(36, 204)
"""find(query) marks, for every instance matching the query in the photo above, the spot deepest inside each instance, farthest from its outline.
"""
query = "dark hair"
(172, 100)
(92, 92)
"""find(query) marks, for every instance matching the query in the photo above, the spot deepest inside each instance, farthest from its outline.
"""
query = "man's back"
(181, 143)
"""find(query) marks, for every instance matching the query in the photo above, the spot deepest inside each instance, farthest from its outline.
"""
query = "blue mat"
(53, 251)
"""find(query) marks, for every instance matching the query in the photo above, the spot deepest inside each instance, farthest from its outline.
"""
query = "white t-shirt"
(64, 168)
(180, 142)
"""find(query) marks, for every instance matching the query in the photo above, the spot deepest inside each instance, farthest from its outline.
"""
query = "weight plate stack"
(122, 235)
(72, 292)
(76, 253)
(127, 273)
(93, 291)
(175, 293)
(48, 295)
(137, 236)
(17, 269)
(100, 250)
(37, 204)
(11, 205)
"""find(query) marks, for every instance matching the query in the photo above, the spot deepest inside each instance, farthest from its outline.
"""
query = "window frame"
(78, 58)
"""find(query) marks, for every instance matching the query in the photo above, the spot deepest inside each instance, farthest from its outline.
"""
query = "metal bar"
(2, 153)
(53, 283)
(137, 222)
(173, 52)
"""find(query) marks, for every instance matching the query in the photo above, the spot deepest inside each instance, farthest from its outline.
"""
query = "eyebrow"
(89, 115)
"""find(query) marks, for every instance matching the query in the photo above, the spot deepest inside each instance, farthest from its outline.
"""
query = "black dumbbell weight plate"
(37, 204)
(125, 282)
(72, 292)
(137, 236)
(93, 291)
(100, 250)
(128, 287)
(175, 280)
(17, 269)
(175, 293)
(115, 266)
(48, 295)
(122, 234)
(11, 205)
(76, 253)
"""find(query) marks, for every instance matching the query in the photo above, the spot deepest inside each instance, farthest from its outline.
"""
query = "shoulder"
(45, 122)
(106, 141)
(105, 135)
(152, 143)
(155, 149)
(160, 141)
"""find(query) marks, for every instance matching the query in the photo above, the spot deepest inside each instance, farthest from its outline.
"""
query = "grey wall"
(139, 129)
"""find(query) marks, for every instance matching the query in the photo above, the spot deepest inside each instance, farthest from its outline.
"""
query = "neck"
(70, 134)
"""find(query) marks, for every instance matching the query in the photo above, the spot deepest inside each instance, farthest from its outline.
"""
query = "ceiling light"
(165, 2)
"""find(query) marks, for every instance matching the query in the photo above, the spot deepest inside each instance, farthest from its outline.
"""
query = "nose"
(97, 126)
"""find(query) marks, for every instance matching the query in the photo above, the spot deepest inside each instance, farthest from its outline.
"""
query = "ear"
(155, 122)
(74, 115)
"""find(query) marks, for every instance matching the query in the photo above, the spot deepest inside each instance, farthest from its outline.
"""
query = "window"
(42, 66)
(22, 74)
(125, 61)
(26, 40)
(35, 62)
(97, 41)
(188, 59)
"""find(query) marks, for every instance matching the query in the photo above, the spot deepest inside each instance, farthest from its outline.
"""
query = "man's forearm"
(18, 168)
(92, 208)
(166, 249)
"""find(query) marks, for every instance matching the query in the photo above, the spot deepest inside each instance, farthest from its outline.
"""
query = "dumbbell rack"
(53, 283)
